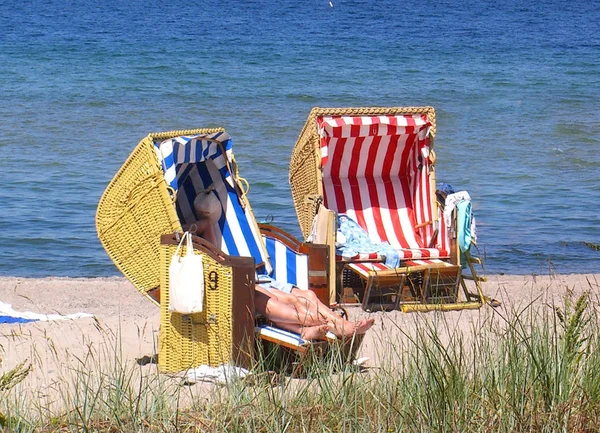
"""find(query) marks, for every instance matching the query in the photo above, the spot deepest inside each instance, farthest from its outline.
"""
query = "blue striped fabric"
(281, 335)
(197, 148)
(288, 266)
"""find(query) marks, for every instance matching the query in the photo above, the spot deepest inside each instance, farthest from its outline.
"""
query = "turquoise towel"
(464, 235)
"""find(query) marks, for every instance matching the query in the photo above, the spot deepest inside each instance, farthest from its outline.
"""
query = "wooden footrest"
(382, 284)
(418, 281)
(285, 338)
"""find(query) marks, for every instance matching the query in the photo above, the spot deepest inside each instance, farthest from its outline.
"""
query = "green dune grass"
(533, 368)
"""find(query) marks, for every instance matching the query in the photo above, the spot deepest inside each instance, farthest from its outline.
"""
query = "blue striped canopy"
(192, 149)
(193, 164)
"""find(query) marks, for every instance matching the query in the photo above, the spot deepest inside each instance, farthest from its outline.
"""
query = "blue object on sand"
(12, 319)
(9, 315)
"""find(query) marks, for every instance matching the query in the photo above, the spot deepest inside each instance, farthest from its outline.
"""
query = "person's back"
(208, 211)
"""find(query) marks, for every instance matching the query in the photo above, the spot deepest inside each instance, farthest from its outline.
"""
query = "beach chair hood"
(152, 194)
(375, 165)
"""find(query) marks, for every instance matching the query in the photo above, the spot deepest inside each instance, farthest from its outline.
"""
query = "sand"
(126, 323)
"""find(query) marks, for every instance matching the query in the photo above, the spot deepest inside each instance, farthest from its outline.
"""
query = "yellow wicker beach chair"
(136, 208)
(374, 168)
(144, 208)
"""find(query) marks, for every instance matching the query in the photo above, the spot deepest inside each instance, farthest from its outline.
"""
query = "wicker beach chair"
(140, 216)
(376, 167)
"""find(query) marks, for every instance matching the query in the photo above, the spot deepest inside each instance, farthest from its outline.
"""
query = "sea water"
(515, 85)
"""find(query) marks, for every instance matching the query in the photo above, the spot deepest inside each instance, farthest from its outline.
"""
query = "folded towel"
(467, 229)
(356, 240)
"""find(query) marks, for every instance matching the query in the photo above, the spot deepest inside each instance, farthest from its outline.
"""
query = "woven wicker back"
(224, 331)
(135, 210)
(305, 174)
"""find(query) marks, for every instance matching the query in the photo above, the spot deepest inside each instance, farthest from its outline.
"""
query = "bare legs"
(338, 325)
(286, 316)
(302, 312)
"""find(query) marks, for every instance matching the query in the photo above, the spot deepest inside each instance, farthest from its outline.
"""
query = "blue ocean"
(515, 85)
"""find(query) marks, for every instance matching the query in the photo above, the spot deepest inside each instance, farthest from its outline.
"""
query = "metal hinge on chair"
(211, 320)
(315, 199)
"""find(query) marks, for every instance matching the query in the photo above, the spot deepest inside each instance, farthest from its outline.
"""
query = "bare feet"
(363, 326)
(345, 328)
(314, 332)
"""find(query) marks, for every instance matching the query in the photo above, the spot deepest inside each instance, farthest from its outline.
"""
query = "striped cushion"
(420, 253)
(361, 257)
(282, 335)
(288, 337)
(427, 262)
(366, 269)
(376, 170)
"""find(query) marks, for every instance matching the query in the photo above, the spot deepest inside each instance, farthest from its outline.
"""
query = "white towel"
(220, 374)
(8, 310)
(450, 204)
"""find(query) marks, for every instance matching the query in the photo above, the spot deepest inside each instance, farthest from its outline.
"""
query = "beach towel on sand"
(9, 315)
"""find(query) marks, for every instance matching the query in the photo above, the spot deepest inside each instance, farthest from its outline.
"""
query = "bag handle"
(189, 241)
(190, 247)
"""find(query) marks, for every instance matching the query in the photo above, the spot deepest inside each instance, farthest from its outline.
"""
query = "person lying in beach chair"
(373, 169)
(302, 312)
(284, 304)
(148, 204)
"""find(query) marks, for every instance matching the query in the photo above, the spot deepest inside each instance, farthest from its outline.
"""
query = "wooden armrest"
(426, 223)
(282, 236)
(318, 260)
(287, 238)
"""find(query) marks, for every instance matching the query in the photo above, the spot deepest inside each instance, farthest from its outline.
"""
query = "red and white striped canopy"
(376, 169)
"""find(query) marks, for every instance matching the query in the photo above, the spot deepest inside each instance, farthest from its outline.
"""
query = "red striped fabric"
(426, 262)
(376, 170)
(362, 257)
(365, 269)
(368, 268)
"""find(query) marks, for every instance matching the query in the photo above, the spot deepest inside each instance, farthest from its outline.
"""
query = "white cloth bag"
(186, 280)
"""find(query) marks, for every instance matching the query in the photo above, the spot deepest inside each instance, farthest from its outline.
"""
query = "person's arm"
(203, 229)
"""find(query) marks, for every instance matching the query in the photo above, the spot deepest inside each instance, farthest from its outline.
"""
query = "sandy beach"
(126, 322)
